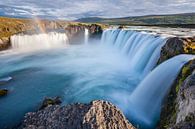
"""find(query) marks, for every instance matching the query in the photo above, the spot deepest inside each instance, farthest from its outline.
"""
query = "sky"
(75, 9)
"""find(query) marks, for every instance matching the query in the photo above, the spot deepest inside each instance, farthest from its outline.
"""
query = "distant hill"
(186, 18)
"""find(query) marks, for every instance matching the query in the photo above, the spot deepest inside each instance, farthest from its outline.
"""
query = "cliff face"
(96, 115)
(178, 111)
(76, 32)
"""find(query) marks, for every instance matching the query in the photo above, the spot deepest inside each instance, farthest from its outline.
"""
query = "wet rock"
(50, 101)
(3, 92)
(96, 115)
(186, 102)
(178, 111)
(120, 27)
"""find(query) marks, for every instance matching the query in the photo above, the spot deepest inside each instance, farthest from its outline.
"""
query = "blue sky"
(74, 9)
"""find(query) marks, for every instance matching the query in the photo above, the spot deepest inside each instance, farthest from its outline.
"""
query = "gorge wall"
(178, 111)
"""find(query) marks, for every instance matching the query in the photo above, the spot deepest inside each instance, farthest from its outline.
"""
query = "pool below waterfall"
(119, 68)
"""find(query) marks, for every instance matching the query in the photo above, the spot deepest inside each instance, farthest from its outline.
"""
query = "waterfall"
(86, 35)
(145, 101)
(143, 104)
(38, 41)
(142, 49)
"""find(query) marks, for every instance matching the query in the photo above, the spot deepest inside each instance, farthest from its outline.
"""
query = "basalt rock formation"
(175, 46)
(96, 115)
(178, 111)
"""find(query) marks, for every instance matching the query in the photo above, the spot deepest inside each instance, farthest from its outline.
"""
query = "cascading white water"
(143, 105)
(39, 41)
(146, 100)
(90, 72)
(143, 50)
(86, 36)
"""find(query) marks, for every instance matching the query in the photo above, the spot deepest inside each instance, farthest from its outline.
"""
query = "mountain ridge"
(184, 18)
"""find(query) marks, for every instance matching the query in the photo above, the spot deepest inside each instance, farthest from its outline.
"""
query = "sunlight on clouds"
(73, 9)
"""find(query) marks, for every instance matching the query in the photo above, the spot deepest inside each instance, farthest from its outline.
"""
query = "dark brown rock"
(50, 101)
(96, 115)
(3, 92)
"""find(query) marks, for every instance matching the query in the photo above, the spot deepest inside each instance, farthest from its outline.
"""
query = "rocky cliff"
(96, 115)
(178, 111)
(175, 46)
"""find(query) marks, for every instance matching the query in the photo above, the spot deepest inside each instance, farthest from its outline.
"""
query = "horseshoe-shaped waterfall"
(121, 68)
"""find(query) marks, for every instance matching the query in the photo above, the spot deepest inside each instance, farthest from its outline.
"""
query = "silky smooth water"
(119, 69)
(78, 74)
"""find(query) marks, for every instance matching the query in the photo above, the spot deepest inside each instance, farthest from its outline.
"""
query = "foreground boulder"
(178, 111)
(96, 115)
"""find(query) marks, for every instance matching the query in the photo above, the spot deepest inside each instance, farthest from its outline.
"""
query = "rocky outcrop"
(50, 101)
(175, 46)
(3, 92)
(178, 111)
(4, 43)
(96, 115)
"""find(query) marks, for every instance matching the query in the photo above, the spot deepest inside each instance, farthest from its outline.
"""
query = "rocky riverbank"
(95, 115)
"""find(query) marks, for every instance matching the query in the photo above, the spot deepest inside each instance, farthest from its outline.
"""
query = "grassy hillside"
(188, 18)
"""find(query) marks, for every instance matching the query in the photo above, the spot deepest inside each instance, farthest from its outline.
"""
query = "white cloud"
(72, 9)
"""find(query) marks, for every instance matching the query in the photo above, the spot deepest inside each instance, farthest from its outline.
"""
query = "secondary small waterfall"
(145, 102)
(39, 41)
(142, 49)
(86, 36)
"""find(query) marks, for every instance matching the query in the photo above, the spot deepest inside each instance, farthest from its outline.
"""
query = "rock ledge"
(96, 115)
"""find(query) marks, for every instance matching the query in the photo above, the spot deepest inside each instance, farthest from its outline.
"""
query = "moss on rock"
(170, 108)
